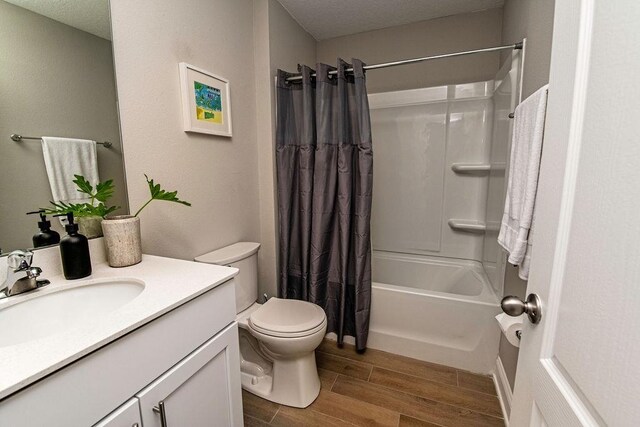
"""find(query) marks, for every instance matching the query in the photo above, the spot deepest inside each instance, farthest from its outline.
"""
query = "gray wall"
(279, 43)
(218, 175)
(55, 80)
(449, 34)
(533, 20)
(230, 181)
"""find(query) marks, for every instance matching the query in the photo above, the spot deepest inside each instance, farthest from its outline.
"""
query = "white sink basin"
(56, 311)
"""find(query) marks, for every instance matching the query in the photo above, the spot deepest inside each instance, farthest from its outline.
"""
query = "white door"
(579, 366)
(202, 390)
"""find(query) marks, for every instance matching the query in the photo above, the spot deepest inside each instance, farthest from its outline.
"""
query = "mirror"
(56, 79)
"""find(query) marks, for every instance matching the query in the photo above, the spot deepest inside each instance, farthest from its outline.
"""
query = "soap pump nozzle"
(71, 227)
(46, 236)
(44, 224)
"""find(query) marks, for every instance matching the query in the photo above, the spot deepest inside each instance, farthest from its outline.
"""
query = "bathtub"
(440, 310)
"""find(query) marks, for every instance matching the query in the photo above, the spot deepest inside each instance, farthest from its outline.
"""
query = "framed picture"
(206, 106)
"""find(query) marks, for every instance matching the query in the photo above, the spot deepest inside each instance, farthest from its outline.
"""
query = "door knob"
(514, 306)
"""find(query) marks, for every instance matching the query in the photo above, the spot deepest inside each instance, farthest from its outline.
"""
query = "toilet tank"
(243, 256)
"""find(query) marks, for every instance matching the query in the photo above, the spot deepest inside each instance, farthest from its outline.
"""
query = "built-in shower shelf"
(476, 168)
(468, 225)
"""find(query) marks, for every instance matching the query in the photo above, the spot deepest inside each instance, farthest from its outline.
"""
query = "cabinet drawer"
(202, 390)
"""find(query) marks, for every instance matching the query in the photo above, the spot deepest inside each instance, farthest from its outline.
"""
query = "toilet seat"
(287, 318)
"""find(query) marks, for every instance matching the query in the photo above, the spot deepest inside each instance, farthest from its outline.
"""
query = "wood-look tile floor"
(384, 389)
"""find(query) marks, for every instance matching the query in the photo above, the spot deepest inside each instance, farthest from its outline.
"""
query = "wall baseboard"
(504, 390)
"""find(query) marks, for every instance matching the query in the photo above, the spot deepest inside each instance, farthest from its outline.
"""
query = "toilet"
(277, 339)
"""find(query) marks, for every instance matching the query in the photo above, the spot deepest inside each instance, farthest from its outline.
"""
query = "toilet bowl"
(277, 339)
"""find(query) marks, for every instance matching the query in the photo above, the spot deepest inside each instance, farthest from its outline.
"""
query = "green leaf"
(84, 186)
(157, 193)
(104, 190)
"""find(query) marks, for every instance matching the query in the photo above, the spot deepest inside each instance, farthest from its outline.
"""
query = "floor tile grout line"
(429, 365)
(410, 375)
(334, 382)
(420, 419)
(254, 418)
(274, 415)
(477, 391)
(430, 398)
(434, 365)
(438, 382)
(331, 416)
(345, 358)
(361, 401)
(373, 365)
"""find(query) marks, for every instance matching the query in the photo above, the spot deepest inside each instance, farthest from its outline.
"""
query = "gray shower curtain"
(324, 172)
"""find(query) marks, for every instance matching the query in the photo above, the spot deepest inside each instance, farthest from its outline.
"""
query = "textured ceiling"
(91, 16)
(324, 19)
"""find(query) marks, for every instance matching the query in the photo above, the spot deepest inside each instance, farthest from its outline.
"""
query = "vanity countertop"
(169, 283)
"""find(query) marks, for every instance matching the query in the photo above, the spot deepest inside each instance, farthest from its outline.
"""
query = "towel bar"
(18, 138)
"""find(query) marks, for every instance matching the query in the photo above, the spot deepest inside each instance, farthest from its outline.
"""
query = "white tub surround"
(168, 284)
(437, 309)
(431, 154)
(505, 98)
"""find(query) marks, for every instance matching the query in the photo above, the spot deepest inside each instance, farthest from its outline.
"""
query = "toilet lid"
(287, 316)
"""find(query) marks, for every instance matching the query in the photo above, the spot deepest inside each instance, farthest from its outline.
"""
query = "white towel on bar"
(516, 231)
(64, 158)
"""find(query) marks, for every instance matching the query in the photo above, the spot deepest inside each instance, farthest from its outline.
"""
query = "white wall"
(218, 175)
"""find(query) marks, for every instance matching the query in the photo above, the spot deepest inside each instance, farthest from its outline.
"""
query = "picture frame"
(206, 104)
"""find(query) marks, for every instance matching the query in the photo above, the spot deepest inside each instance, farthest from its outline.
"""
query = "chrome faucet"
(21, 275)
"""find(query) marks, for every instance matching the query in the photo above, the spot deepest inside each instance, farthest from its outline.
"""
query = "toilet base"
(296, 383)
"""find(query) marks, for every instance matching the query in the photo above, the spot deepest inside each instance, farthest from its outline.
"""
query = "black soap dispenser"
(46, 236)
(74, 250)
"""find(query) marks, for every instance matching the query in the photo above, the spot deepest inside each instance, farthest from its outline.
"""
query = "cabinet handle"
(163, 414)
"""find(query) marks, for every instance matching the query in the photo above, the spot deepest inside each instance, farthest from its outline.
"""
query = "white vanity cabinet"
(185, 364)
(199, 389)
(128, 415)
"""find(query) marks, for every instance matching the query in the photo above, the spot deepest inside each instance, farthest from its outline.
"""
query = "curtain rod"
(515, 46)
(19, 138)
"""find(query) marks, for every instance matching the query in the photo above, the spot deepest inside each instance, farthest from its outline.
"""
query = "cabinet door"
(127, 415)
(201, 390)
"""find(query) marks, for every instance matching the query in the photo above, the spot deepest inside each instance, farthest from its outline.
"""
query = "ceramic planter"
(90, 226)
(122, 240)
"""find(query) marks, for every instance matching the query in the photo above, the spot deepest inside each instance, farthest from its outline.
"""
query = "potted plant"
(122, 232)
(89, 215)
